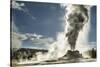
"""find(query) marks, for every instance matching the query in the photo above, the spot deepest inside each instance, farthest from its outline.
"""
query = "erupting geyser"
(70, 45)
(77, 16)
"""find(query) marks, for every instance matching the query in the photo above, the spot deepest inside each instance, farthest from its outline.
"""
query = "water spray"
(77, 17)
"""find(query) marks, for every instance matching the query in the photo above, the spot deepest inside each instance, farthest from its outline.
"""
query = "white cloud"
(17, 5)
(17, 40)
(33, 35)
(39, 40)
(43, 43)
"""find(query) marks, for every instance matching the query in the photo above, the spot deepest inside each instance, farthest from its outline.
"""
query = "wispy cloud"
(17, 5)
(21, 7)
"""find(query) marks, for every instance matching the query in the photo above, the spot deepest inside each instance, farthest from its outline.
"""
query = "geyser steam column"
(77, 16)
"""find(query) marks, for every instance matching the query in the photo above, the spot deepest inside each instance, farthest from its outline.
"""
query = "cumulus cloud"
(40, 40)
(33, 35)
(37, 40)
(45, 42)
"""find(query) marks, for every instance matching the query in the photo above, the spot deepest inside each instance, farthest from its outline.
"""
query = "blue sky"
(93, 30)
(44, 19)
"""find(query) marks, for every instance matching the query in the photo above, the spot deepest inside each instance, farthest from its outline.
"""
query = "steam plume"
(77, 16)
